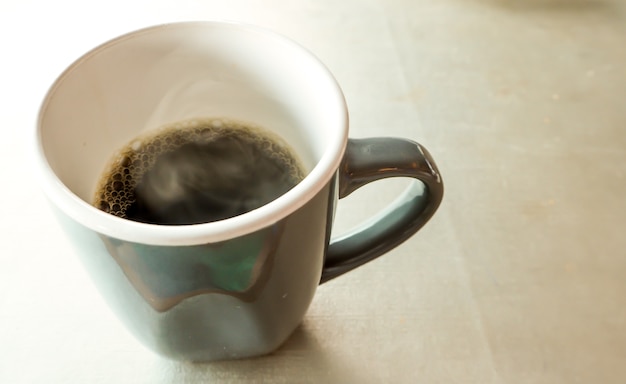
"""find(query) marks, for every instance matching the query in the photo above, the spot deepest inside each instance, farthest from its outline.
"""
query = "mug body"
(230, 299)
(226, 289)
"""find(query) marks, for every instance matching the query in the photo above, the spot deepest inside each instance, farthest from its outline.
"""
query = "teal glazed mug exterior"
(237, 287)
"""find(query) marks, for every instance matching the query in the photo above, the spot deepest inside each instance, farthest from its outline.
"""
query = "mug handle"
(372, 159)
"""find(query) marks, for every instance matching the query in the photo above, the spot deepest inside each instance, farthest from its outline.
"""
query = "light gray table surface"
(519, 278)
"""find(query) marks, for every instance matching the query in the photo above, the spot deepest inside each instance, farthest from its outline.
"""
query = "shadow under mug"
(237, 287)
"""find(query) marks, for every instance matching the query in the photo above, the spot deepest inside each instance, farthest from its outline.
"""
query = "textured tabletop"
(519, 278)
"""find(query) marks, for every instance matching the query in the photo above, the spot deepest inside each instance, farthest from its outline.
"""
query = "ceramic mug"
(237, 287)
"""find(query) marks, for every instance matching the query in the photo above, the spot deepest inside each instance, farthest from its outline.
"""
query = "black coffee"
(196, 172)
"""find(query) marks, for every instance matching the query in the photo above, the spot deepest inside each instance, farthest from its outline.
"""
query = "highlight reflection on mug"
(165, 276)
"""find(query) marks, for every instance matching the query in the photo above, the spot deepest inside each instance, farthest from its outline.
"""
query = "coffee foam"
(115, 193)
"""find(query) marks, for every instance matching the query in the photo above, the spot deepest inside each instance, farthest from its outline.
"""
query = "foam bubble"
(135, 145)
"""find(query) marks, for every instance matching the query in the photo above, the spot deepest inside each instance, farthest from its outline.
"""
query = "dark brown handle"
(367, 160)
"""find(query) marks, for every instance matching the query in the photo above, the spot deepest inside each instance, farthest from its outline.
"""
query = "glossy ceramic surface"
(232, 299)
(237, 287)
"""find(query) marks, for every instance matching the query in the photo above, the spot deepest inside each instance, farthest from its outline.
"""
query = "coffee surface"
(197, 171)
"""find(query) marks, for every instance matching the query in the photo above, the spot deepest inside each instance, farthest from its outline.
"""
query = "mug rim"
(193, 234)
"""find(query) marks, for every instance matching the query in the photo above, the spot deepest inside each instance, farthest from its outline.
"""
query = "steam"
(208, 170)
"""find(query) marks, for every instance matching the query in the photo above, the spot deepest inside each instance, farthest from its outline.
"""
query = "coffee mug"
(236, 287)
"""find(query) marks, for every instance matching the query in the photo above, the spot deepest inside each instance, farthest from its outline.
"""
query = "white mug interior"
(175, 72)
